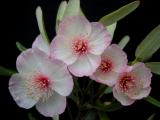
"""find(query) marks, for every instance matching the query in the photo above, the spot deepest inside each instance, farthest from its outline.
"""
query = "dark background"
(18, 23)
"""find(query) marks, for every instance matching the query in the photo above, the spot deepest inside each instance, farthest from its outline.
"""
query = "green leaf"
(108, 90)
(152, 101)
(56, 117)
(119, 14)
(154, 66)
(111, 29)
(20, 47)
(91, 115)
(6, 72)
(151, 117)
(73, 8)
(31, 117)
(40, 21)
(149, 45)
(113, 106)
(103, 116)
(60, 13)
(124, 41)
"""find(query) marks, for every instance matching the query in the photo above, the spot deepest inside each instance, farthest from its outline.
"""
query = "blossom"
(113, 61)
(133, 84)
(40, 81)
(79, 44)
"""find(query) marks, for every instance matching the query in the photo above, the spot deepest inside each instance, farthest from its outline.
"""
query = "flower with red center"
(41, 81)
(133, 84)
(114, 60)
(79, 44)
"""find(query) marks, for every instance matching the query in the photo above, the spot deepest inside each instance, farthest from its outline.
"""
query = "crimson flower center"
(126, 82)
(106, 66)
(42, 82)
(80, 46)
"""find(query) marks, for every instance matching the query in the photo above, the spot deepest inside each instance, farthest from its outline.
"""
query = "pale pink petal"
(26, 61)
(41, 44)
(142, 74)
(19, 92)
(61, 48)
(123, 99)
(85, 65)
(74, 26)
(55, 105)
(117, 56)
(99, 38)
(109, 78)
(142, 93)
(63, 82)
(57, 72)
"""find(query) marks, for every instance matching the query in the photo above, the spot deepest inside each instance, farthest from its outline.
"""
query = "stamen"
(106, 66)
(39, 87)
(126, 82)
(80, 46)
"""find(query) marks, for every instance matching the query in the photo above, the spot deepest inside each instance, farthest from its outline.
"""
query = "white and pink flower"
(133, 84)
(113, 61)
(40, 81)
(79, 44)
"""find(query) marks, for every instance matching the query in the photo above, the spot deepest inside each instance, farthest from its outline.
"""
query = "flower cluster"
(80, 48)
(83, 49)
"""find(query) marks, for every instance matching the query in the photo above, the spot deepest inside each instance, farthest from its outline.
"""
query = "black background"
(18, 23)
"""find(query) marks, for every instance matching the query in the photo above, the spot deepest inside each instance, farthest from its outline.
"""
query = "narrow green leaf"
(113, 106)
(73, 8)
(149, 45)
(103, 116)
(56, 117)
(31, 117)
(20, 47)
(60, 13)
(40, 21)
(124, 41)
(111, 29)
(108, 90)
(151, 117)
(154, 66)
(6, 71)
(152, 101)
(119, 14)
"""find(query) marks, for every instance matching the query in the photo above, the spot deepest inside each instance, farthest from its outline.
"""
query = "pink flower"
(40, 81)
(113, 61)
(133, 84)
(79, 44)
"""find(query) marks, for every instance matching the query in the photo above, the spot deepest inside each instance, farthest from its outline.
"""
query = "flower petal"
(61, 49)
(55, 105)
(26, 61)
(117, 56)
(109, 78)
(63, 82)
(41, 44)
(124, 100)
(142, 74)
(99, 38)
(142, 93)
(57, 72)
(74, 26)
(19, 92)
(85, 65)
